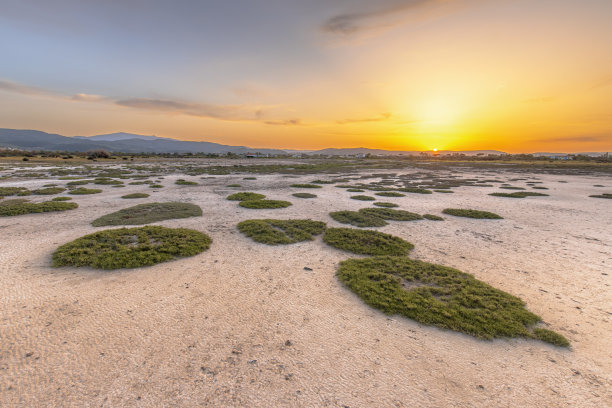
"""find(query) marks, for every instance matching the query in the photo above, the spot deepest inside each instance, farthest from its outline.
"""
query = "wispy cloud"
(381, 118)
(578, 138)
(377, 17)
(83, 97)
(285, 122)
(15, 87)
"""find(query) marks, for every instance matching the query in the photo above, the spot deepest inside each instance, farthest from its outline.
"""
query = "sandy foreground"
(245, 325)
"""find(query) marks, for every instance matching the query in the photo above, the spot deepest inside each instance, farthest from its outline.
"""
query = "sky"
(512, 75)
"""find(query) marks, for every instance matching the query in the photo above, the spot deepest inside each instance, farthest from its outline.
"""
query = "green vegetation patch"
(511, 188)
(433, 217)
(306, 186)
(323, 182)
(61, 199)
(281, 232)
(107, 181)
(156, 186)
(444, 191)
(366, 242)
(9, 208)
(390, 194)
(441, 296)
(148, 213)
(604, 195)
(304, 195)
(355, 190)
(357, 219)
(363, 198)
(79, 182)
(245, 196)
(385, 205)
(518, 194)
(183, 182)
(416, 190)
(135, 195)
(458, 212)
(263, 204)
(49, 191)
(234, 185)
(9, 191)
(131, 247)
(390, 214)
(83, 191)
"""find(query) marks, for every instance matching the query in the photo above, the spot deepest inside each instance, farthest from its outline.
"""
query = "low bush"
(306, 186)
(363, 198)
(385, 205)
(148, 213)
(304, 195)
(355, 190)
(415, 190)
(441, 296)
(83, 191)
(131, 247)
(234, 185)
(182, 182)
(9, 208)
(263, 204)
(9, 191)
(366, 242)
(604, 195)
(433, 217)
(48, 191)
(458, 212)
(280, 232)
(390, 194)
(357, 219)
(135, 195)
(518, 194)
(61, 199)
(245, 196)
(390, 214)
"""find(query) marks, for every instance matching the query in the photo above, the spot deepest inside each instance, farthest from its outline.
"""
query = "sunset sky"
(512, 75)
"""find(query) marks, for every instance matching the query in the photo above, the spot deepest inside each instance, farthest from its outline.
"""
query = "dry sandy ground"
(245, 324)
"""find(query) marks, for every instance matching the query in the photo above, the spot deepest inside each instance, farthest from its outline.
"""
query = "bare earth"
(244, 324)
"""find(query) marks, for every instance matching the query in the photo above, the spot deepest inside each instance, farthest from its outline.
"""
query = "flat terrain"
(245, 324)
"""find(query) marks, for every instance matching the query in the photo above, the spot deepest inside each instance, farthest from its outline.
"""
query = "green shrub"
(135, 195)
(61, 199)
(323, 181)
(306, 186)
(182, 182)
(539, 188)
(440, 296)
(363, 198)
(245, 196)
(49, 191)
(415, 190)
(131, 247)
(79, 182)
(277, 232)
(432, 217)
(518, 194)
(148, 213)
(82, 191)
(511, 188)
(457, 212)
(550, 336)
(355, 190)
(304, 195)
(24, 193)
(390, 194)
(357, 219)
(107, 181)
(234, 185)
(366, 242)
(9, 208)
(604, 195)
(9, 191)
(156, 186)
(249, 178)
(385, 205)
(390, 214)
(444, 191)
(263, 204)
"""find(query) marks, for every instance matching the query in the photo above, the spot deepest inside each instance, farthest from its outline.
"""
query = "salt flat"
(244, 324)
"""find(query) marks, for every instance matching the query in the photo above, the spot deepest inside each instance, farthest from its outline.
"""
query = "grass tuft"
(441, 296)
(9, 191)
(304, 195)
(135, 195)
(182, 182)
(61, 199)
(49, 191)
(131, 247)
(390, 214)
(518, 194)
(148, 213)
(366, 242)
(385, 205)
(245, 196)
(390, 194)
(83, 191)
(306, 186)
(363, 198)
(433, 217)
(604, 195)
(458, 212)
(281, 232)
(9, 208)
(357, 219)
(263, 204)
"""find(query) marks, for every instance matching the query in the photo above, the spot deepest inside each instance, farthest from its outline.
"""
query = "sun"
(435, 149)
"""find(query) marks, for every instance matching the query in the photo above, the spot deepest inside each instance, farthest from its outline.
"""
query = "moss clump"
(323, 181)
(416, 190)
(518, 194)
(363, 198)
(280, 232)
(604, 195)
(135, 195)
(444, 191)
(182, 182)
(433, 217)
(9, 191)
(263, 204)
(458, 212)
(49, 191)
(148, 213)
(357, 219)
(511, 188)
(304, 195)
(385, 205)
(306, 186)
(245, 196)
(83, 191)
(234, 185)
(249, 178)
(355, 190)
(390, 214)
(79, 182)
(61, 199)
(366, 242)
(156, 186)
(131, 247)
(107, 181)
(440, 296)
(9, 208)
(390, 194)
(550, 336)
(539, 188)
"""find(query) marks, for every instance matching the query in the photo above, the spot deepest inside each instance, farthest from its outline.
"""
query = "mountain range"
(133, 143)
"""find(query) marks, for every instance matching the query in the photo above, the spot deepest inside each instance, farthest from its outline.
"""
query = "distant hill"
(113, 137)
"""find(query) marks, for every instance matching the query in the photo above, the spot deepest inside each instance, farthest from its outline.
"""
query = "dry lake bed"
(246, 324)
